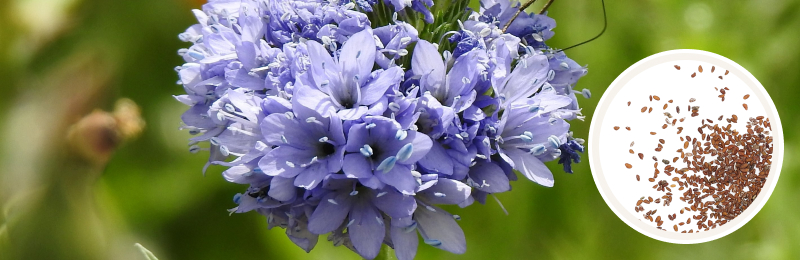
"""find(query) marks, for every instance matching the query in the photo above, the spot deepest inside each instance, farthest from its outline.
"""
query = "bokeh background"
(60, 59)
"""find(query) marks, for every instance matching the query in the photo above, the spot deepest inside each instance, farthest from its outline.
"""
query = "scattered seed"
(700, 68)
(650, 110)
(629, 103)
(720, 77)
(745, 106)
(630, 151)
(652, 133)
(694, 74)
(657, 98)
(747, 96)
(726, 72)
(644, 109)
(616, 128)
(628, 165)
(692, 100)
(677, 67)
(641, 156)
(712, 69)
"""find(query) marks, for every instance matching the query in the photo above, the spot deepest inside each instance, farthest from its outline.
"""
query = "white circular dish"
(656, 75)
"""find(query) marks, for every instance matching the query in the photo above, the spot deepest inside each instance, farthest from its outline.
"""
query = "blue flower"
(381, 153)
(569, 154)
(346, 85)
(364, 210)
(528, 135)
(308, 146)
(437, 227)
(453, 88)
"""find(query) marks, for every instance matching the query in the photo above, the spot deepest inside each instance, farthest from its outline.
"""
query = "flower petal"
(531, 167)
(437, 160)
(282, 189)
(353, 113)
(314, 99)
(405, 243)
(357, 166)
(427, 62)
(377, 87)
(330, 213)
(421, 144)
(311, 176)
(394, 204)
(437, 225)
(446, 191)
(358, 55)
(489, 177)
(368, 230)
(399, 177)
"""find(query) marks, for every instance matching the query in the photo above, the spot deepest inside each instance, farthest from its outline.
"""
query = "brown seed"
(628, 128)
(631, 143)
(747, 96)
(692, 100)
(628, 165)
(651, 97)
(712, 69)
(694, 74)
(650, 110)
(745, 106)
(630, 151)
(700, 68)
(637, 179)
(641, 156)
(665, 106)
(686, 145)
(664, 126)
(644, 109)
(677, 67)
(651, 180)
(675, 227)
(652, 133)
(726, 72)
(657, 98)
(616, 128)
(629, 103)
(720, 77)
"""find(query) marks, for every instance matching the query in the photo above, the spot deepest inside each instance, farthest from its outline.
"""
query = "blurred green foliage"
(153, 192)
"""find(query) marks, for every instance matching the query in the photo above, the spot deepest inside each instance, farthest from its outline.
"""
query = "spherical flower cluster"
(346, 121)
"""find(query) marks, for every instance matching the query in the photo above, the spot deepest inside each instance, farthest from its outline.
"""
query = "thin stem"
(520, 10)
(605, 25)
(547, 5)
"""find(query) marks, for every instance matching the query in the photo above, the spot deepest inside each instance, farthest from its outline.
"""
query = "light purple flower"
(346, 85)
(308, 146)
(381, 153)
(528, 135)
(361, 210)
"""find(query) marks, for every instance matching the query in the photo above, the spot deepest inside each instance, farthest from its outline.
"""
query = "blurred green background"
(59, 59)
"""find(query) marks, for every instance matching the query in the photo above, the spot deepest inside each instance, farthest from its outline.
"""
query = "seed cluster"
(718, 173)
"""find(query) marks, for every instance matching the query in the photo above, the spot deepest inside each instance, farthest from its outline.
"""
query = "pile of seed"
(717, 190)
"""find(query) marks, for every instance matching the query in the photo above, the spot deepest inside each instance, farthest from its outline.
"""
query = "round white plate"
(656, 75)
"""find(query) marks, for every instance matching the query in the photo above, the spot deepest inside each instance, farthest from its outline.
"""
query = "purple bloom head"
(336, 126)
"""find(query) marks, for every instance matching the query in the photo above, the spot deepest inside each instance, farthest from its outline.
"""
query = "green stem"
(387, 253)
